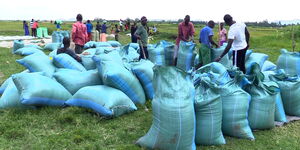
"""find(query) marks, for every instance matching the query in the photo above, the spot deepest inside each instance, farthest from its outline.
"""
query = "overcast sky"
(241, 10)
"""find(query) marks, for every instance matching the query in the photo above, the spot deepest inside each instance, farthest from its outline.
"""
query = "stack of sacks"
(162, 53)
(235, 101)
(114, 43)
(58, 36)
(173, 125)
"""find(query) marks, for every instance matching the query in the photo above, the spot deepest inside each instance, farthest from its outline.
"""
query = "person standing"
(34, 28)
(98, 27)
(222, 34)
(142, 36)
(103, 32)
(206, 40)
(89, 27)
(79, 34)
(186, 32)
(238, 39)
(117, 32)
(25, 27)
(132, 30)
(31, 25)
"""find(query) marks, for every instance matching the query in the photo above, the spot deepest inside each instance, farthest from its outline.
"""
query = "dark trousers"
(33, 32)
(239, 59)
(78, 49)
(117, 37)
(142, 54)
(133, 39)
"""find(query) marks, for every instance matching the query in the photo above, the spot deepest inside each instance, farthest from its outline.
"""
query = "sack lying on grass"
(289, 62)
(115, 75)
(289, 90)
(38, 62)
(27, 51)
(114, 43)
(268, 66)
(208, 109)
(38, 90)
(17, 45)
(235, 104)
(258, 58)
(74, 80)
(52, 46)
(279, 109)
(66, 61)
(104, 100)
(186, 55)
(216, 71)
(173, 125)
(102, 44)
(216, 52)
(143, 70)
(4, 85)
(263, 97)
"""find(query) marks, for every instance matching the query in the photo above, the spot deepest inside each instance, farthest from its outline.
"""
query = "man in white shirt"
(238, 39)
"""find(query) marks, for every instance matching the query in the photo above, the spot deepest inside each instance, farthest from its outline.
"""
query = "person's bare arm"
(212, 41)
(230, 41)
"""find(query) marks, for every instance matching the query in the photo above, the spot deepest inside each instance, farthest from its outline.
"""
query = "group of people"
(237, 39)
(33, 26)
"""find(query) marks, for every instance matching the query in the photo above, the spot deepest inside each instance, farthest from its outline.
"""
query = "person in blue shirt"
(206, 40)
(89, 28)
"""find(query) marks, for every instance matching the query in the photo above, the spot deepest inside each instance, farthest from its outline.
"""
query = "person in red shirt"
(79, 34)
(34, 27)
(186, 32)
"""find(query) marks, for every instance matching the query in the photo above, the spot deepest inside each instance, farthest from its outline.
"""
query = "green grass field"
(78, 128)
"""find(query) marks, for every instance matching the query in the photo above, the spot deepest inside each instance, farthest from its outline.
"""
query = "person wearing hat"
(142, 35)
(238, 40)
(103, 32)
(79, 34)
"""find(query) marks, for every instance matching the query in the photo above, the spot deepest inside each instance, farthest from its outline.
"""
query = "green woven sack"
(173, 126)
(208, 108)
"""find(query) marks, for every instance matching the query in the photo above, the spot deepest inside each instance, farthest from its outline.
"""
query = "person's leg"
(146, 52)
(31, 31)
(241, 60)
(141, 53)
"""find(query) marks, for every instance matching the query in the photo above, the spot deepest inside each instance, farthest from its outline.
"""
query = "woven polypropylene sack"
(114, 43)
(27, 51)
(104, 100)
(268, 66)
(74, 80)
(17, 45)
(173, 126)
(39, 90)
(38, 62)
(157, 54)
(144, 72)
(258, 58)
(235, 104)
(208, 108)
(186, 55)
(66, 61)
(102, 44)
(52, 46)
(116, 75)
(5, 84)
(263, 98)
(216, 52)
(289, 90)
(289, 62)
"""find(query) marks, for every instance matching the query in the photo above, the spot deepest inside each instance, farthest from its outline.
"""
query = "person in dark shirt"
(133, 29)
(98, 27)
(67, 50)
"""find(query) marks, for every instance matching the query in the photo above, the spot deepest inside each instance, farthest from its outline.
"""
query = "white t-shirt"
(237, 34)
